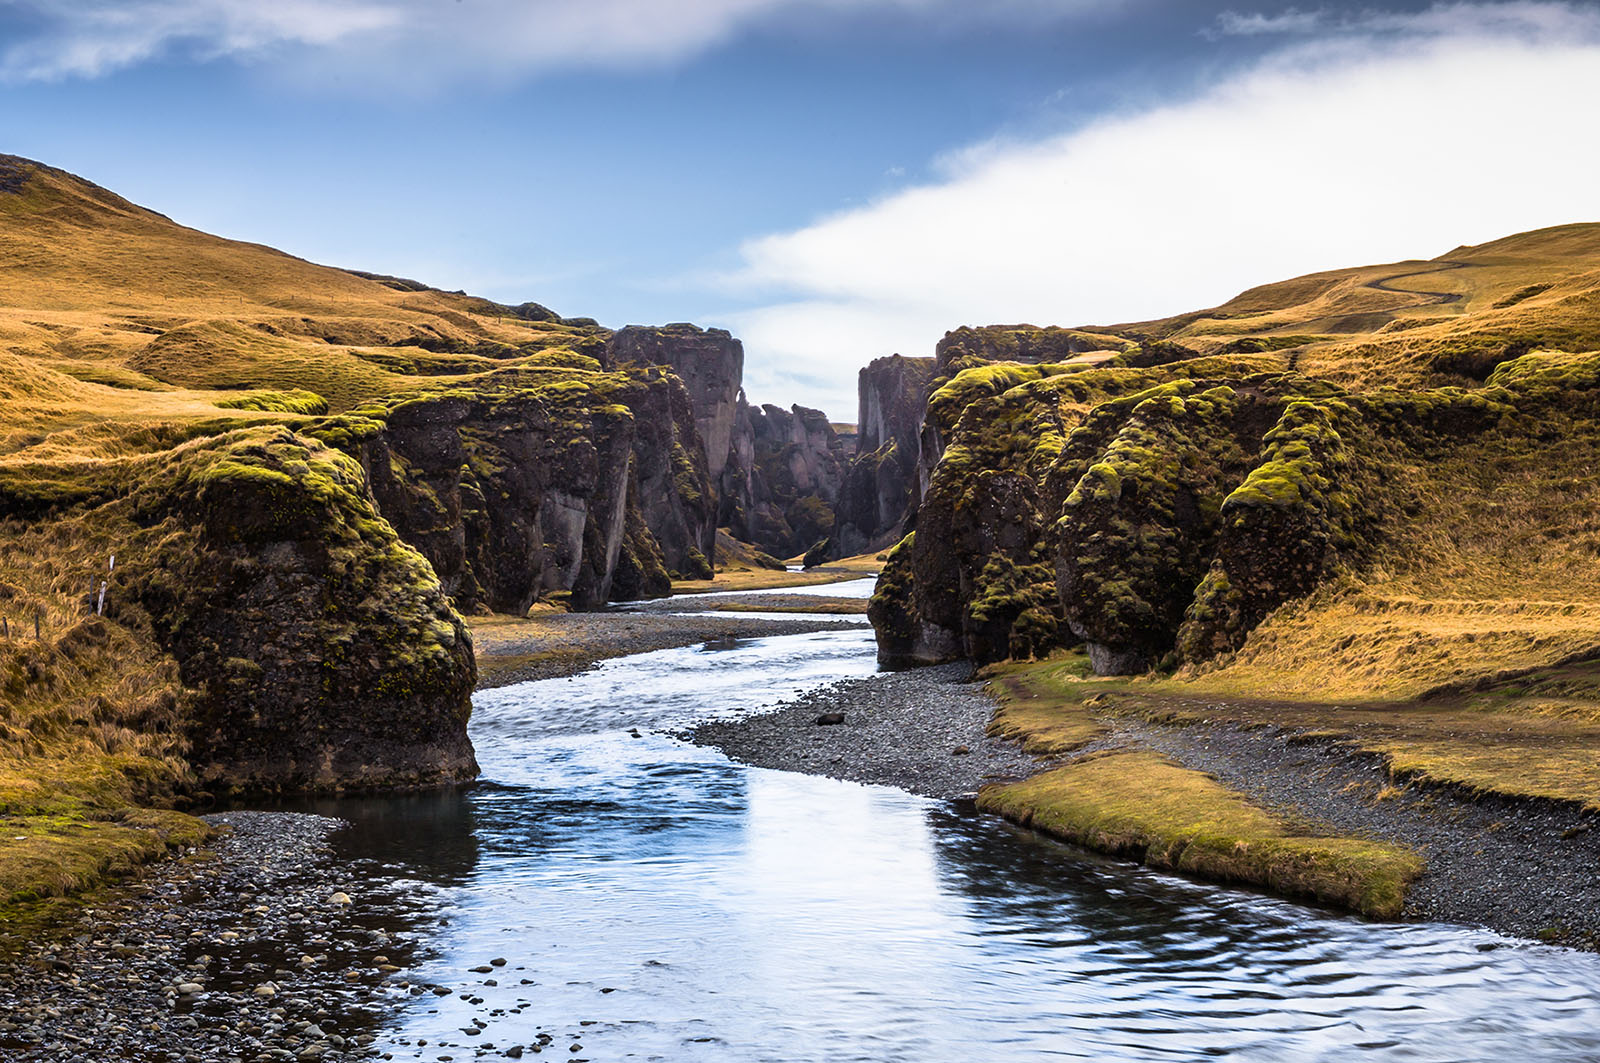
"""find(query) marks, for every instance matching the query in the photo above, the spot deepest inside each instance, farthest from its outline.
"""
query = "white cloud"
(1255, 23)
(413, 43)
(1457, 125)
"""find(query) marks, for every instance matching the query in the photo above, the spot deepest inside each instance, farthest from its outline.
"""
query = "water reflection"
(687, 908)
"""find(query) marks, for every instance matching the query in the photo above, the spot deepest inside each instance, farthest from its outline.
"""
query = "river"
(654, 901)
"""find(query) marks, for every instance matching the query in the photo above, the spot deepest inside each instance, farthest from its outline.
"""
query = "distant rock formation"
(782, 478)
(881, 488)
(710, 362)
(777, 473)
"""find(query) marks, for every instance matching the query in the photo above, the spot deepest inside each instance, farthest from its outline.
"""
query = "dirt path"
(1383, 284)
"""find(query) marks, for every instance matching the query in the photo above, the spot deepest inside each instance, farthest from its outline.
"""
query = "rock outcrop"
(316, 650)
(1160, 514)
(782, 478)
(881, 488)
(542, 482)
(710, 362)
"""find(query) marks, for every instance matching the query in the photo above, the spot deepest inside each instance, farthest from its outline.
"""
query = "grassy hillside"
(180, 401)
(112, 313)
(1447, 320)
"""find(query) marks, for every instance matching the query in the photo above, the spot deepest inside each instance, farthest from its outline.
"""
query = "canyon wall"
(782, 478)
(881, 490)
(569, 482)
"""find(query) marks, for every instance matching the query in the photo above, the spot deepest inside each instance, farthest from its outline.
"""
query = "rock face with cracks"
(881, 487)
(1158, 514)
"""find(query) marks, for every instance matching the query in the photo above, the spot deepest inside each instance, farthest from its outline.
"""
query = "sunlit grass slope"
(109, 311)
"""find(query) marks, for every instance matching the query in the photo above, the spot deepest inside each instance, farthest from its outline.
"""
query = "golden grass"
(1384, 324)
(1141, 805)
(762, 579)
(87, 723)
(1042, 706)
(1491, 573)
(113, 312)
(55, 856)
(1501, 741)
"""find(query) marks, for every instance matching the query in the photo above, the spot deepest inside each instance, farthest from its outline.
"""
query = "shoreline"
(1525, 869)
(556, 645)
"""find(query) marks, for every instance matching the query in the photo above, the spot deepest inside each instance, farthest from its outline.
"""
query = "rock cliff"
(782, 478)
(315, 651)
(881, 488)
(710, 362)
(1160, 506)
(544, 481)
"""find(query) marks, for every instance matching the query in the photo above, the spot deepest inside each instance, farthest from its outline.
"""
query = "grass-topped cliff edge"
(302, 474)
(1359, 505)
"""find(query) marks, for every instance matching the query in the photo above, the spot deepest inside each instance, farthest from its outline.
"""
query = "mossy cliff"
(536, 481)
(1161, 514)
(312, 649)
(301, 472)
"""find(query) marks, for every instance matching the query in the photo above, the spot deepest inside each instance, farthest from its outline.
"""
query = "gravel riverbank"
(921, 730)
(268, 947)
(253, 951)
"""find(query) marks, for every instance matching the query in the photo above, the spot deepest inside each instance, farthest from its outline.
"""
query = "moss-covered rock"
(1137, 531)
(317, 650)
(1307, 502)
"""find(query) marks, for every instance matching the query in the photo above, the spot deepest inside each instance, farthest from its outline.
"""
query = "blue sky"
(833, 179)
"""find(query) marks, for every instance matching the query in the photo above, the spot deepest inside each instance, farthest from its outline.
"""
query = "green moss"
(53, 856)
(1021, 601)
(1142, 806)
(1136, 530)
(890, 609)
(298, 401)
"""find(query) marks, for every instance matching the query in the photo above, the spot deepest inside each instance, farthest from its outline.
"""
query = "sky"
(832, 180)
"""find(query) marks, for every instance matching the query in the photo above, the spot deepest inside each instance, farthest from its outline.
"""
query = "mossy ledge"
(1135, 803)
(1142, 806)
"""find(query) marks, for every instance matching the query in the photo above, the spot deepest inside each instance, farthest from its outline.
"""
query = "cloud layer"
(1386, 138)
(411, 41)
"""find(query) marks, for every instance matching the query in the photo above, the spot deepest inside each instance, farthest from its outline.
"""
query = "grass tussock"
(89, 722)
(1142, 806)
(1045, 706)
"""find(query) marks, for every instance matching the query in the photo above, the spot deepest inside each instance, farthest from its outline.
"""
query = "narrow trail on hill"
(1382, 284)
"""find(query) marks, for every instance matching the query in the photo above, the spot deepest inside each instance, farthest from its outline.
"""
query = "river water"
(654, 901)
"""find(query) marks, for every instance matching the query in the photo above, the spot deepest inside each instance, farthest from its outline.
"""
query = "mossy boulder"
(318, 651)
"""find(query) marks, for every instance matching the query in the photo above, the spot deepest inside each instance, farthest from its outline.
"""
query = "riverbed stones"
(198, 961)
(902, 729)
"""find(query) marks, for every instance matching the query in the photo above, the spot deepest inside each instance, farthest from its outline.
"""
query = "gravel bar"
(557, 646)
(922, 730)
